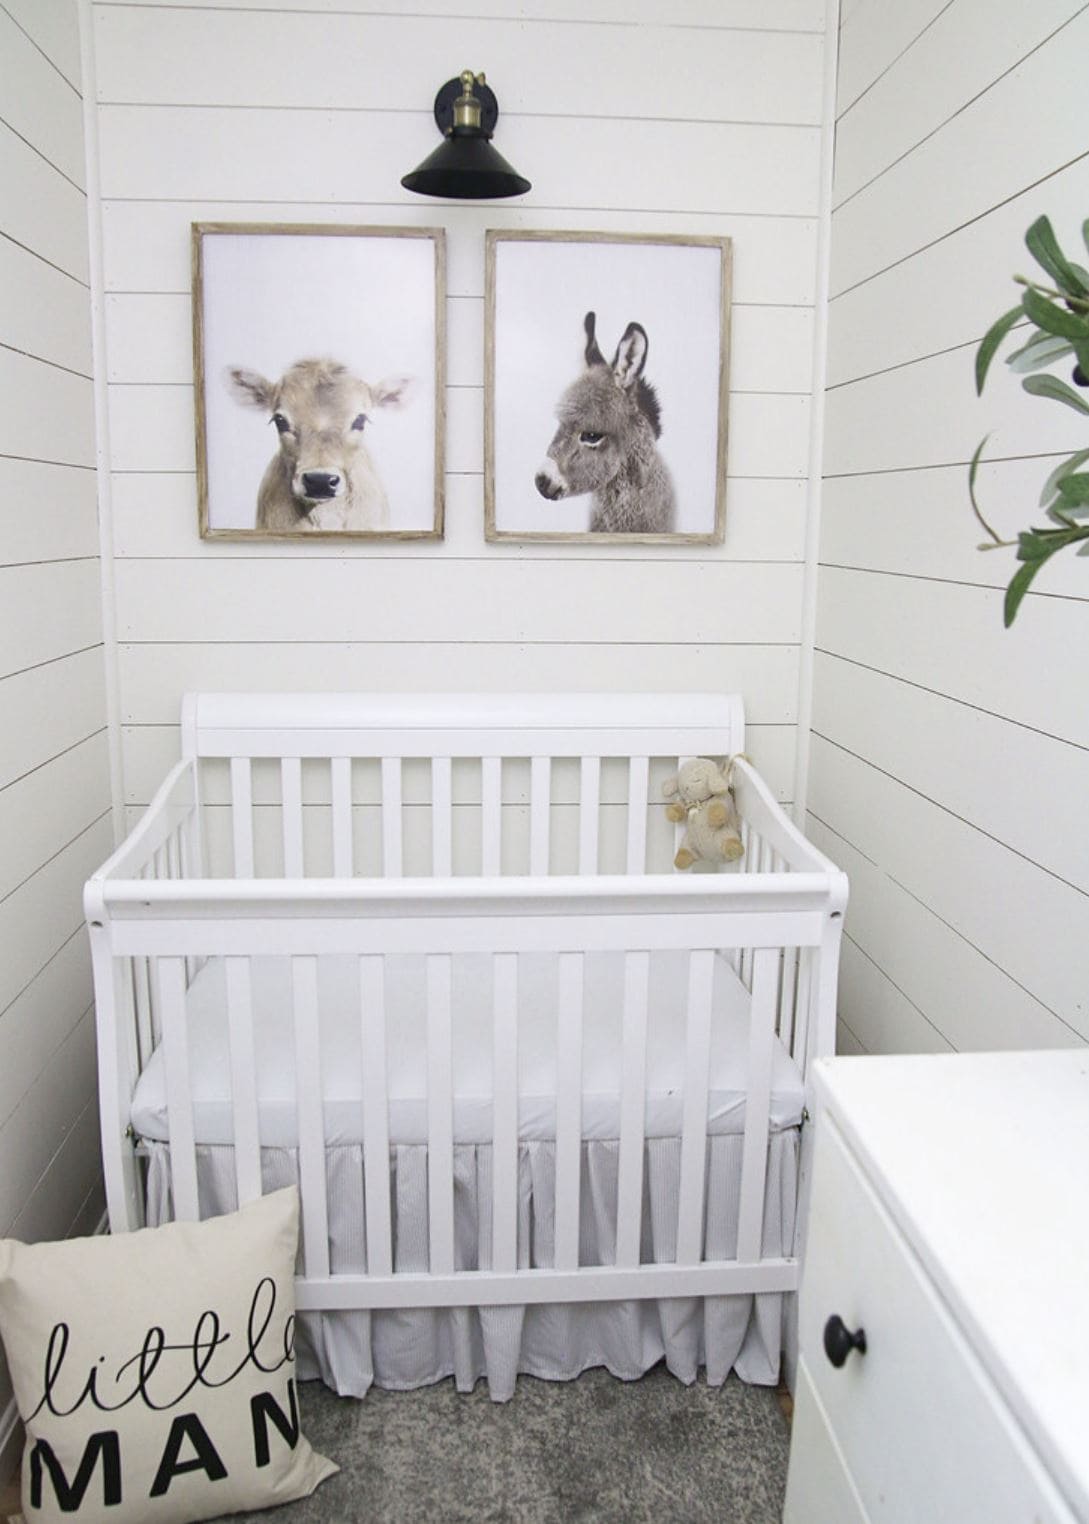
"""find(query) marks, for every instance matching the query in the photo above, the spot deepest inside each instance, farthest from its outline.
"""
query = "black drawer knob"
(839, 1341)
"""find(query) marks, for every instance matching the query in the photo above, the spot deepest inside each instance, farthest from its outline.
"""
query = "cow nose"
(318, 484)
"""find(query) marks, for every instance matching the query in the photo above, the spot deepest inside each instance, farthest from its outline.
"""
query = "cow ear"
(250, 388)
(631, 356)
(394, 391)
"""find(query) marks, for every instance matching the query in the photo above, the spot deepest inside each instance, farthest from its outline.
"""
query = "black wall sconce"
(465, 165)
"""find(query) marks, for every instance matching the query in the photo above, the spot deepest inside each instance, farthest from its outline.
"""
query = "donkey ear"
(631, 356)
(250, 388)
(593, 353)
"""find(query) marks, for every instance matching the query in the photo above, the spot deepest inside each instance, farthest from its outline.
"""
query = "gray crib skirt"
(401, 1350)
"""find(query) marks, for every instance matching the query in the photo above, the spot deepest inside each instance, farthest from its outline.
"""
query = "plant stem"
(1077, 302)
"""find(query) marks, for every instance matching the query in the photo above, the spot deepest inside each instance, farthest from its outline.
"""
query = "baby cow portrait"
(321, 475)
(606, 444)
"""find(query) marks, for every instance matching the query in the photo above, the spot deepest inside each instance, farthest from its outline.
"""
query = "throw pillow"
(154, 1371)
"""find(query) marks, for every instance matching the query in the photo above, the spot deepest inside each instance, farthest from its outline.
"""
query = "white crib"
(428, 956)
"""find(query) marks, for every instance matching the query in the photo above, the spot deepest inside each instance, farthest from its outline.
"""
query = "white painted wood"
(441, 817)
(170, 151)
(291, 784)
(64, 524)
(505, 1114)
(392, 865)
(247, 1160)
(376, 1164)
(308, 63)
(540, 814)
(310, 1119)
(440, 1117)
(170, 974)
(49, 710)
(629, 1190)
(47, 412)
(750, 1222)
(569, 1022)
(42, 210)
(55, 30)
(49, 807)
(422, 600)
(45, 313)
(896, 215)
(819, 1486)
(47, 612)
(340, 771)
(39, 1019)
(638, 776)
(242, 816)
(701, 969)
(39, 104)
(960, 55)
(787, 15)
(491, 783)
(589, 809)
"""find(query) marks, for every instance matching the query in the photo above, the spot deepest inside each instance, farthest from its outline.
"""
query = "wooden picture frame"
(336, 336)
(623, 341)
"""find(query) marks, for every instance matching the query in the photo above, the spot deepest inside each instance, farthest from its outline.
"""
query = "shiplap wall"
(54, 778)
(702, 116)
(950, 759)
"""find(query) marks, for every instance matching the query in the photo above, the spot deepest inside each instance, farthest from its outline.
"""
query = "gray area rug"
(558, 1452)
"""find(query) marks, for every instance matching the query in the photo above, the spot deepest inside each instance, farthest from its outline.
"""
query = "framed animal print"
(319, 367)
(606, 383)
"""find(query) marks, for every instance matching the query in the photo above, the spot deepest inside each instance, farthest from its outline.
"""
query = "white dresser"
(950, 1225)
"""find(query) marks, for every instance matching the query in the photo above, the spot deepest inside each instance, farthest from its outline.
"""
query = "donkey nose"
(319, 484)
(547, 486)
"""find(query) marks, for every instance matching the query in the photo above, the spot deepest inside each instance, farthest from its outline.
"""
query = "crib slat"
(340, 782)
(505, 1113)
(540, 813)
(291, 797)
(440, 1115)
(701, 969)
(179, 1097)
(629, 1207)
(242, 816)
(315, 1221)
(491, 808)
(803, 1004)
(568, 1109)
(442, 817)
(754, 1158)
(787, 993)
(141, 995)
(247, 1145)
(589, 813)
(638, 783)
(375, 1115)
(391, 818)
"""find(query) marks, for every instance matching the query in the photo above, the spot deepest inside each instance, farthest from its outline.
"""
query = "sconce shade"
(465, 166)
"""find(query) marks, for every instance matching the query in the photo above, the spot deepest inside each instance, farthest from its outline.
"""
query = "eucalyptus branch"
(1078, 303)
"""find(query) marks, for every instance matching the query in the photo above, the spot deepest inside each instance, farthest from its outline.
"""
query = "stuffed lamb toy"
(701, 796)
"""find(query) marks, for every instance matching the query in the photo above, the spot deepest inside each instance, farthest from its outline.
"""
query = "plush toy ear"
(671, 785)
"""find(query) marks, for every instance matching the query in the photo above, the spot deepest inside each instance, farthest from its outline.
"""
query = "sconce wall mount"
(465, 166)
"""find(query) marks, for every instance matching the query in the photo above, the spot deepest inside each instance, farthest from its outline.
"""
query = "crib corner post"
(115, 1037)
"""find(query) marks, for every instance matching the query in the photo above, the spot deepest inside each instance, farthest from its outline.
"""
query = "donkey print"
(322, 475)
(609, 421)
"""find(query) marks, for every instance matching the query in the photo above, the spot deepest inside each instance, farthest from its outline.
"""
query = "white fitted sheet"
(341, 1052)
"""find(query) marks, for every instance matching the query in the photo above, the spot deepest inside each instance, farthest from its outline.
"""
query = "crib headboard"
(470, 724)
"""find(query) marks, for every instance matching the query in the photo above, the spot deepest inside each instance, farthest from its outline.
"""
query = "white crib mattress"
(341, 1052)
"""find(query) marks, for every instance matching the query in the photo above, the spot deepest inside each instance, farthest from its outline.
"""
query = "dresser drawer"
(921, 1429)
(819, 1488)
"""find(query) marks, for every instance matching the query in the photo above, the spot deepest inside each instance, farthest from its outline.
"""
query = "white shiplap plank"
(155, 515)
(154, 677)
(962, 54)
(39, 103)
(419, 600)
(783, 15)
(950, 638)
(55, 29)
(47, 611)
(39, 1020)
(873, 37)
(207, 58)
(70, 1191)
(49, 709)
(879, 1014)
(47, 412)
(45, 313)
(49, 807)
(146, 243)
(41, 209)
(1035, 800)
(1007, 907)
(964, 995)
(174, 151)
(976, 160)
(64, 521)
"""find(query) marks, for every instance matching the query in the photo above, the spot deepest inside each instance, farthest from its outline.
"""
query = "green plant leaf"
(990, 342)
(1019, 586)
(1055, 319)
(1075, 488)
(1051, 386)
(1085, 232)
(1051, 486)
(1044, 248)
(1042, 349)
